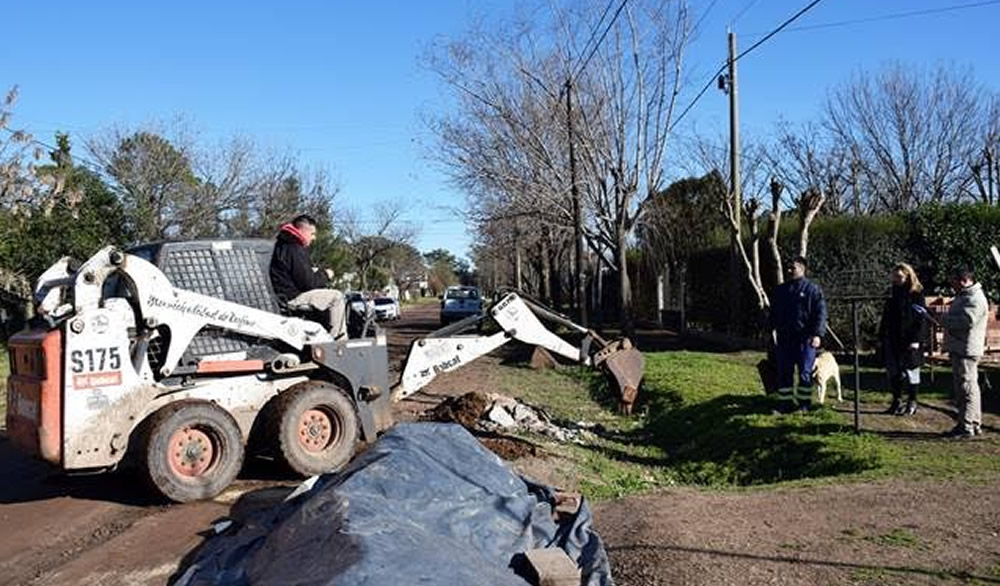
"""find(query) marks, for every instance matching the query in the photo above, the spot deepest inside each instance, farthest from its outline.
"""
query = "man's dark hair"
(303, 220)
(962, 273)
(800, 260)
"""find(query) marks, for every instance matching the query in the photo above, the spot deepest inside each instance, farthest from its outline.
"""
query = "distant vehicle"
(386, 308)
(359, 303)
(460, 302)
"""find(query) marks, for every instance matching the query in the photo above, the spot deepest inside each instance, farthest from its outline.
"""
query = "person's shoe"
(784, 408)
(977, 430)
(960, 433)
(894, 407)
(911, 408)
(805, 407)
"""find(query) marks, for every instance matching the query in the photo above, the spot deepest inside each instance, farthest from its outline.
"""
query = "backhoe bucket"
(625, 366)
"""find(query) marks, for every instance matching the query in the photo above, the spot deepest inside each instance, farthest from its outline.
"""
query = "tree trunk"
(682, 294)
(773, 223)
(546, 267)
(809, 206)
(624, 287)
(518, 275)
(598, 289)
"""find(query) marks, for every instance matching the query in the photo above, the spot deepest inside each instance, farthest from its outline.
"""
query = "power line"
(894, 16)
(740, 14)
(703, 16)
(597, 26)
(597, 45)
(712, 79)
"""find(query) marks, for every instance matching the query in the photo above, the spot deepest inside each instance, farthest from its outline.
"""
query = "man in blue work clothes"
(798, 318)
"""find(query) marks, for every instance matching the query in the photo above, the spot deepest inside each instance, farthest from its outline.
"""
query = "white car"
(359, 303)
(460, 302)
(386, 308)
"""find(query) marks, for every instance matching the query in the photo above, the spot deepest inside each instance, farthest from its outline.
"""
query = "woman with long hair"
(902, 332)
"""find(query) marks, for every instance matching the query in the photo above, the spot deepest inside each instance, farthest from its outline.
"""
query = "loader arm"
(518, 318)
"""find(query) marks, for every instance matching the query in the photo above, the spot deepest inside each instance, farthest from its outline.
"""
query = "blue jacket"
(798, 310)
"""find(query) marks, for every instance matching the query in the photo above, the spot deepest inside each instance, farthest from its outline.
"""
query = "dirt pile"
(494, 413)
(464, 410)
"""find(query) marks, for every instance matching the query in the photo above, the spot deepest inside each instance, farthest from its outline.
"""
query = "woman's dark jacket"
(902, 325)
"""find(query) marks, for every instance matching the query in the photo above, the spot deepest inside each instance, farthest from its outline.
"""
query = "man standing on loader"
(296, 283)
(798, 318)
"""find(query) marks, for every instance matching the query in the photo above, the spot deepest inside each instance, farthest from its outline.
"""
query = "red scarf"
(291, 229)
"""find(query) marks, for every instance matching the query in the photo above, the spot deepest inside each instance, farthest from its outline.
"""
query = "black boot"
(911, 402)
(897, 392)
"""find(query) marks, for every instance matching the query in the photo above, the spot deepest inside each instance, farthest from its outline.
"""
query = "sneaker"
(911, 408)
(805, 408)
(960, 433)
(977, 430)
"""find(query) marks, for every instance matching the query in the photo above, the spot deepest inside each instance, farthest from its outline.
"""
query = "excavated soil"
(509, 448)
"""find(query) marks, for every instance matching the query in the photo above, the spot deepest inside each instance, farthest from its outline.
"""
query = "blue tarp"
(425, 504)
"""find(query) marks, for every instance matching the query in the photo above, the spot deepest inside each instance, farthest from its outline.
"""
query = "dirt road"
(106, 530)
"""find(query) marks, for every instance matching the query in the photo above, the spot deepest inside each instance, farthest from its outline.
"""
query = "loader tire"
(192, 451)
(317, 428)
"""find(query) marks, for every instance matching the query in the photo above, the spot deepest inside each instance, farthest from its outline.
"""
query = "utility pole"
(581, 281)
(727, 83)
(734, 132)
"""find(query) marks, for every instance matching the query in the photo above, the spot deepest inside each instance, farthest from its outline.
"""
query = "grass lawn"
(704, 420)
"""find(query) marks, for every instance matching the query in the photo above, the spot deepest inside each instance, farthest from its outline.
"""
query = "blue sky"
(340, 84)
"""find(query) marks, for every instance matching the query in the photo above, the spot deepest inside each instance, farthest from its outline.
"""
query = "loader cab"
(233, 270)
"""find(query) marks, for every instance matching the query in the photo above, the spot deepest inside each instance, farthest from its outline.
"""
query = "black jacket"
(901, 326)
(291, 270)
(798, 311)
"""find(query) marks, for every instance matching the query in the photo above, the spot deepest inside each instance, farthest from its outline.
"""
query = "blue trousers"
(790, 354)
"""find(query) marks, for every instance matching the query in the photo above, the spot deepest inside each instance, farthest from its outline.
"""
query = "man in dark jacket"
(798, 318)
(294, 280)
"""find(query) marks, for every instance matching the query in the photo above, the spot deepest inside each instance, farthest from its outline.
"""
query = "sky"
(341, 86)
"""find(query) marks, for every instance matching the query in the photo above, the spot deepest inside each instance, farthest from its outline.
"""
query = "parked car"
(460, 302)
(359, 303)
(386, 308)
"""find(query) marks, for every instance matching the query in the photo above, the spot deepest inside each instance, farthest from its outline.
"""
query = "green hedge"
(850, 255)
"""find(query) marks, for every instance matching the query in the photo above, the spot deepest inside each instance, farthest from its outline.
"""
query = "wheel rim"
(193, 452)
(318, 429)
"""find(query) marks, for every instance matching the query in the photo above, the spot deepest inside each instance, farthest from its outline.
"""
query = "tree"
(20, 187)
(371, 242)
(406, 266)
(910, 134)
(680, 220)
(155, 183)
(505, 144)
(85, 217)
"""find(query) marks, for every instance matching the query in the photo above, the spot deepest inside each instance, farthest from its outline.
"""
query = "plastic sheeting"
(425, 504)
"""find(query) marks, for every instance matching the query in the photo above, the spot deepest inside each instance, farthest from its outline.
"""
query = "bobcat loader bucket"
(624, 366)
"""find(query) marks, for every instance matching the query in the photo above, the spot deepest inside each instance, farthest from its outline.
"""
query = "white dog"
(825, 369)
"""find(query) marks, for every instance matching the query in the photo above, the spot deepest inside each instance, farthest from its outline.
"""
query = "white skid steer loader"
(176, 357)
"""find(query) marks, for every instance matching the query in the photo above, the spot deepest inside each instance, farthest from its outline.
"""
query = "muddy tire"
(316, 428)
(192, 451)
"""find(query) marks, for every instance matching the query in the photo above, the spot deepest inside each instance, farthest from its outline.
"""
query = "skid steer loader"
(178, 358)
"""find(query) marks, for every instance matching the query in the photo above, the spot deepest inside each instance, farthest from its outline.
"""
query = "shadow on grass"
(734, 439)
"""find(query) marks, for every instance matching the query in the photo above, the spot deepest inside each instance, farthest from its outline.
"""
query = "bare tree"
(911, 132)
(508, 143)
(985, 163)
(152, 177)
(371, 241)
(21, 188)
(627, 102)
